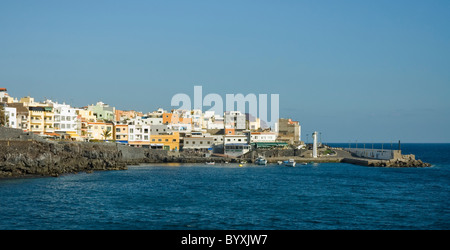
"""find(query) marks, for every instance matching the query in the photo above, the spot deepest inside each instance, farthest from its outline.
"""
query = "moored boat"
(290, 163)
(261, 161)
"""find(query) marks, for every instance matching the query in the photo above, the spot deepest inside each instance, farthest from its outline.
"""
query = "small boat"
(210, 163)
(280, 162)
(290, 163)
(304, 163)
(261, 161)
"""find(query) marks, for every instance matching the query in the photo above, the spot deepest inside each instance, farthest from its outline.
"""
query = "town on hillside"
(232, 133)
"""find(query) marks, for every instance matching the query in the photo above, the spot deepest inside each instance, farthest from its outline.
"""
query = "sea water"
(196, 196)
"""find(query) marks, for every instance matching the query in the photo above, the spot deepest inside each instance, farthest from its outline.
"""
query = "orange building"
(121, 115)
(170, 118)
(121, 133)
(168, 141)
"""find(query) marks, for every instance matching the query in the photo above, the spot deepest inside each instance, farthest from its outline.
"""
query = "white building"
(66, 118)
(236, 145)
(212, 121)
(263, 137)
(138, 132)
(11, 113)
(233, 139)
(198, 141)
(235, 119)
(152, 120)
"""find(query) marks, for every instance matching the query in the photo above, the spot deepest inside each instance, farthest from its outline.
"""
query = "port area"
(340, 155)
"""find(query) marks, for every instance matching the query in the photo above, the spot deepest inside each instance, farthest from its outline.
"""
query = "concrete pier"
(344, 156)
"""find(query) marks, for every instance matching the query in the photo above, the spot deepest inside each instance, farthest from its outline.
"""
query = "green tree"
(106, 133)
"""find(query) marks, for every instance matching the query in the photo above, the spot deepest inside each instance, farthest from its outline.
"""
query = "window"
(174, 140)
(153, 139)
(187, 142)
(146, 137)
(117, 137)
(201, 142)
(159, 139)
(131, 130)
(118, 130)
(228, 140)
(167, 140)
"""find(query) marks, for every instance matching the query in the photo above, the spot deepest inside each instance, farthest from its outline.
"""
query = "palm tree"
(106, 133)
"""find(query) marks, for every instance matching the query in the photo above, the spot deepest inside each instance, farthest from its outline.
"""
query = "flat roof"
(269, 144)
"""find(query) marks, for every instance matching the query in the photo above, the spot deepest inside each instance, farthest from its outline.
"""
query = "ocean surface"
(195, 196)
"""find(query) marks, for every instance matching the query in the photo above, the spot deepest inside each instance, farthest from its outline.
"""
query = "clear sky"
(372, 71)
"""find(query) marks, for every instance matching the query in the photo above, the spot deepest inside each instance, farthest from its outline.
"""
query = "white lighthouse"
(314, 144)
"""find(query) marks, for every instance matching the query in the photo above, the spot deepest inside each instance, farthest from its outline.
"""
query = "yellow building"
(41, 120)
(96, 131)
(85, 117)
(169, 141)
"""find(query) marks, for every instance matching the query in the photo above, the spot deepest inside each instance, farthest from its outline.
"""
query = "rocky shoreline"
(25, 158)
(20, 158)
(23, 155)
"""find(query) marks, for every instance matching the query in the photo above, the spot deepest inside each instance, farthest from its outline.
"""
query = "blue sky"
(372, 71)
